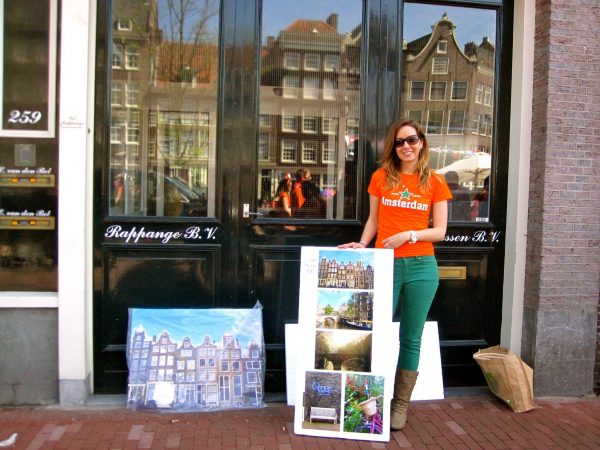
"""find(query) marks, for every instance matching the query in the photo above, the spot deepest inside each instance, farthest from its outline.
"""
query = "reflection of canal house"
(345, 275)
(449, 90)
(309, 96)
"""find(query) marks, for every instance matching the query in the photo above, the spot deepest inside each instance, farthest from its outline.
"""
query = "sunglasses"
(410, 140)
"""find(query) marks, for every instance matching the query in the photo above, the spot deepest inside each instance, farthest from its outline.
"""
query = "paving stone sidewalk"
(454, 423)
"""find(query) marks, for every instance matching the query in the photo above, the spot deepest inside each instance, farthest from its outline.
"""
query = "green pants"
(416, 280)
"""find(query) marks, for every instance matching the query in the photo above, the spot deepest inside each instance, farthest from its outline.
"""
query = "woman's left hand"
(396, 240)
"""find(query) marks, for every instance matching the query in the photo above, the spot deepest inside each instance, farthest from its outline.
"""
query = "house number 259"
(16, 116)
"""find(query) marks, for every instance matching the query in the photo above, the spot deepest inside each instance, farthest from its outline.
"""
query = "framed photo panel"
(343, 382)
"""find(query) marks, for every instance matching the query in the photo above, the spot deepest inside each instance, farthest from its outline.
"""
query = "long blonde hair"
(391, 163)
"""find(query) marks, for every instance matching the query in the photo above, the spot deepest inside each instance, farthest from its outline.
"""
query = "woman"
(403, 194)
(283, 204)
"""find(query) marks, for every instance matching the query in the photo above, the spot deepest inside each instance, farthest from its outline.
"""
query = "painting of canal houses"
(195, 359)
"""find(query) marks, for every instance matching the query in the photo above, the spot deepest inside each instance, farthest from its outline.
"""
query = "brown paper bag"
(507, 376)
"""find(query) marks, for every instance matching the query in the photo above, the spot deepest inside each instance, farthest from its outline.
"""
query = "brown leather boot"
(403, 386)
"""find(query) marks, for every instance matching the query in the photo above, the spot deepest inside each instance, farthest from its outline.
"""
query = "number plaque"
(28, 68)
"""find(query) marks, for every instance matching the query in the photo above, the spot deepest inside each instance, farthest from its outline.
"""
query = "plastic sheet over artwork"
(195, 359)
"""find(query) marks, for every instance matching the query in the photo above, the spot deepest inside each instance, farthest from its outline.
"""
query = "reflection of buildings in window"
(310, 77)
(179, 80)
(460, 121)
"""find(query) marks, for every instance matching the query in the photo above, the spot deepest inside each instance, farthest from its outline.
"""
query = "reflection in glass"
(448, 87)
(163, 108)
(309, 109)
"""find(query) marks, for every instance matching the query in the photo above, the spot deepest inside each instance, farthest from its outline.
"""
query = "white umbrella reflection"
(472, 168)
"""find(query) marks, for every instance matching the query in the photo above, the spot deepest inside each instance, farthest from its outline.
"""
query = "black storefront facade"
(173, 136)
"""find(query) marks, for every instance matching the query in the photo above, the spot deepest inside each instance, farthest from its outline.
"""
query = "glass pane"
(163, 108)
(448, 86)
(309, 108)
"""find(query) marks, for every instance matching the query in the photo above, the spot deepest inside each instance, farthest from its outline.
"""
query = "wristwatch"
(413, 237)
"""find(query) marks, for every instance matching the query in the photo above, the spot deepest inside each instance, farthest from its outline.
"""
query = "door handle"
(246, 211)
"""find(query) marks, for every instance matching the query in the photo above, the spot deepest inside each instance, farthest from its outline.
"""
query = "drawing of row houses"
(209, 375)
(345, 275)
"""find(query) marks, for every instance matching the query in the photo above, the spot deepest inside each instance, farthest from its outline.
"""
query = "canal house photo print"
(195, 359)
(343, 371)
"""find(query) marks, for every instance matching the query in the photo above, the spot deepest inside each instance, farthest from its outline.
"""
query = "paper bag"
(508, 377)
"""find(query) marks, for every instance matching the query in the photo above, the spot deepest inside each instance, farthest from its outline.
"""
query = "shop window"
(463, 131)
(168, 167)
(330, 64)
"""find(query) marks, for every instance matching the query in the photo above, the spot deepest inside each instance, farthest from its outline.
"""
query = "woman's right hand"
(352, 245)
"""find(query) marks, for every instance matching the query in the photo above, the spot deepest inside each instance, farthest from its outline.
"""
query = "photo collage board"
(345, 366)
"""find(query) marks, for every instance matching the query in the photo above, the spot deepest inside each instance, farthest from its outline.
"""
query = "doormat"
(195, 359)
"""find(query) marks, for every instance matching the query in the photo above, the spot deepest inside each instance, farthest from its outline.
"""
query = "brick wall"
(563, 256)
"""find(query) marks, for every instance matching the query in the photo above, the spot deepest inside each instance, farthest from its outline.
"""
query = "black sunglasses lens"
(412, 140)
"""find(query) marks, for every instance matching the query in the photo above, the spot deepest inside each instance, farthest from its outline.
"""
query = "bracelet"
(363, 243)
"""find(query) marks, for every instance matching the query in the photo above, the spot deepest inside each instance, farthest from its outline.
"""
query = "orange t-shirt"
(406, 207)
